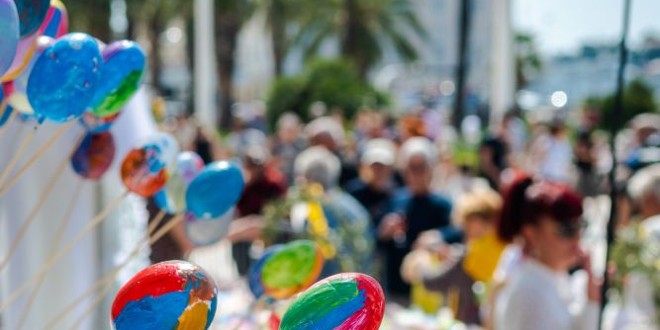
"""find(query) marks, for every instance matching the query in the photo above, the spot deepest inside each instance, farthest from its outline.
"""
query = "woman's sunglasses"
(571, 229)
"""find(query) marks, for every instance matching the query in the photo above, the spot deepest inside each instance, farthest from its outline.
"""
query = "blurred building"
(592, 72)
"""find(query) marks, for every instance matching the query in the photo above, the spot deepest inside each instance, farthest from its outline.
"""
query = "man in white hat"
(375, 186)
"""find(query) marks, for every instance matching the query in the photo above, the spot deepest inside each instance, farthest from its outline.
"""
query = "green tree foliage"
(81, 19)
(333, 82)
(528, 61)
(637, 98)
(366, 29)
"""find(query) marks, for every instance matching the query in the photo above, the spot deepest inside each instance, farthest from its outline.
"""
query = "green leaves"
(333, 82)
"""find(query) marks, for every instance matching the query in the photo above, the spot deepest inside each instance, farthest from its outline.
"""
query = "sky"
(561, 26)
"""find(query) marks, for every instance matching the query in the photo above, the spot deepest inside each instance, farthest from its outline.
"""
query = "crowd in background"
(490, 227)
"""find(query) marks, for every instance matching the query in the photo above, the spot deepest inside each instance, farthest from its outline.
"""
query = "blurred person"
(242, 136)
(205, 145)
(641, 297)
(373, 190)
(589, 180)
(557, 161)
(412, 210)
(538, 294)
(350, 232)
(287, 144)
(493, 154)
(410, 126)
(644, 149)
(451, 177)
(328, 133)
(263, 183)
(462, 266)
(174, 245)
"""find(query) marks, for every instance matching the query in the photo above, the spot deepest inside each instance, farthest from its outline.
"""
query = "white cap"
(418, 146)
(379, 151)
(325, 125)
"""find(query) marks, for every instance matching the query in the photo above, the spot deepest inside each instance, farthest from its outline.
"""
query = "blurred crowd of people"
(490, 228)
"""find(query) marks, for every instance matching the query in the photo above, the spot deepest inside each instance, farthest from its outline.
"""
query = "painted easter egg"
(146, 169)
(32, 13)
(292, 269)
(254, 273)
(56, 23)
(64, 77)
(205, 232)
(18, 87)
(96, 124)
(173, 196)
(123, 67)
(24, 53)
(341, 302)
(215, 190)
(9, 30)
(94, 155)
(167, 295)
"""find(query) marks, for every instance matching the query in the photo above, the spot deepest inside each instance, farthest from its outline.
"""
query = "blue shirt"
(421, 213)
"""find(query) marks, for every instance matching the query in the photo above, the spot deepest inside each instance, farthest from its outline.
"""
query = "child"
(462, 266)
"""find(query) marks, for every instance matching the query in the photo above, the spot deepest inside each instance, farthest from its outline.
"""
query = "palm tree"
(156, 14)
(230, 16)
(280, 16)
(364, 29)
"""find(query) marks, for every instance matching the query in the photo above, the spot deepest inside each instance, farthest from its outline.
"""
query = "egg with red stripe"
(167, 295)
(340, 302)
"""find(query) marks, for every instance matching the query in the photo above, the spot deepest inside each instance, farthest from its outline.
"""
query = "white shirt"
(541, 299)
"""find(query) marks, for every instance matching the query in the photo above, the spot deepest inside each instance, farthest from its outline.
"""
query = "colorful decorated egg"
(145, 170)
(24, 53)
(18, 87)
(205, 232)
(123, 67)
(94, 155)
(167, 295)
(215, 190)
(341, 302)
(32, 13)
(56, 23)
(254, 274)
(292, 269)
(9, 30)
(64, 77)
(173, 196)
(96, 124)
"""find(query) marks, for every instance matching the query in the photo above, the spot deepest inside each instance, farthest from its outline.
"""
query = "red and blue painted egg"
(167, 295)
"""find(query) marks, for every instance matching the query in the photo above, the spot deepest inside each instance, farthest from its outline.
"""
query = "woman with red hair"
(545, 219)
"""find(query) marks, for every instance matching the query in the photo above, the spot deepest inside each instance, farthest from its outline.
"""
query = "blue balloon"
(64, 78)
(10, 34)
(214, 191)
(254, 274)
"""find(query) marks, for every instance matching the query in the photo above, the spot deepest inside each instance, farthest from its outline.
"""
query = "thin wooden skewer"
(97, 220)
(40, 152)
(5, 127)
(17, 155)
(109, 277)
(59, 234)
(33, 213)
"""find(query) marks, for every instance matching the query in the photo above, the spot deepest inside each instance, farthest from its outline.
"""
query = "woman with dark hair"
(545, 219)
